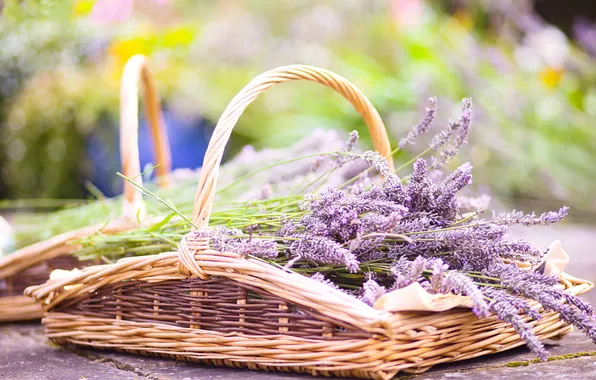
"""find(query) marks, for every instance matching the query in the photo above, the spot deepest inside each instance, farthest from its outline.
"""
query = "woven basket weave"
(220, 308)
(33, 264)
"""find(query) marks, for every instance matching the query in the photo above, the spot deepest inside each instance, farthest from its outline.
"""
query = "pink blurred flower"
(113, 11)
(407, 12)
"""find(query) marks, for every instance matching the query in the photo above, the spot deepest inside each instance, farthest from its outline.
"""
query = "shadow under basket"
(247, 313)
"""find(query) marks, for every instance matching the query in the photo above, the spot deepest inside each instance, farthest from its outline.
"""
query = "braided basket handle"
(227, 121)
(135, 70)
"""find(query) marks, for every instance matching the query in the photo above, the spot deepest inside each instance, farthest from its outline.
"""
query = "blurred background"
(529, 67)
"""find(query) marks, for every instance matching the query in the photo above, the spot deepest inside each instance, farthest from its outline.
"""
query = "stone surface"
(24, 353)
(578, 368)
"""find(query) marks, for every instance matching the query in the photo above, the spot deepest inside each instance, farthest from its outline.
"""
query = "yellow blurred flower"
(82, 7)
(178, 36)
(551, 77)
(121, 50)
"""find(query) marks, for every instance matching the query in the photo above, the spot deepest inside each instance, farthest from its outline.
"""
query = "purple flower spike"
(501, 304)
(372, 291)
(324, 251)
(460, 129)
(518, 217)
(423, 125)
(340, 160)
(378, 162)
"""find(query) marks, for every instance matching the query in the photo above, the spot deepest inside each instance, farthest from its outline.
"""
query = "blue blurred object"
(188, 142)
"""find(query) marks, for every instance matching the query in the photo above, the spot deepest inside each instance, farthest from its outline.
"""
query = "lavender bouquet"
(378, 232)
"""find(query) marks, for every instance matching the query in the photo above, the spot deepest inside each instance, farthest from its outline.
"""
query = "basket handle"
(135, 70)
(227, 121)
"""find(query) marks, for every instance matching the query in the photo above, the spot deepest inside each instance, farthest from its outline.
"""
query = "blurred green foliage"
(43, 111)
(535, 101)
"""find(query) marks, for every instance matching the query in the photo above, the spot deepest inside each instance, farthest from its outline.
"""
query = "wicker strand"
(186, 255)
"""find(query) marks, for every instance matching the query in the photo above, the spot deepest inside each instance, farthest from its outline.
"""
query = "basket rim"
(58, 245)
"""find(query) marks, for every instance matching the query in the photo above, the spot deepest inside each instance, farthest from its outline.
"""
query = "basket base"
(361, 358)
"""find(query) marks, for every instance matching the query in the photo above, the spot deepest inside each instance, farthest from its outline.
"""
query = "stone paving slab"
(581, 368)
(25, 355)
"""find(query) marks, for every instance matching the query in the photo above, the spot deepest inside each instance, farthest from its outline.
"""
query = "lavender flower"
(577, 302)
(501, 305)
(467, 245)
(445, 202)
(223, 240)
(541, 288)
(518, 217)
(461, 129)
(442, 280)
(445, 135)
(423, 125)
(519, 304)
(232, 240)
(368, 249)
(352, 141)
(458, 282)
(322, 250)
(336, 215)
(340, 160)
(419, 190)
(288, 228)
(478, 255)
(488, 232)
(439, 269)
(378, 162)
(465, 122)
(393, 191)
(407, 272)
(265, 249)
(517, 249)
(379, 223)
(372, 291)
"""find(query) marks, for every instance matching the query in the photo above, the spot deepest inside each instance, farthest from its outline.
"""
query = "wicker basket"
(33, 264)
(213, 307)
